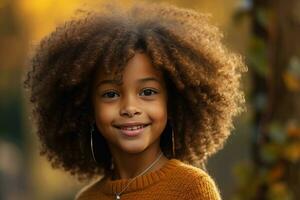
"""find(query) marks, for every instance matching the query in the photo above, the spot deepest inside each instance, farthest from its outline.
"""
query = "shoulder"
(88, 191)
(188, 171)
(198, 183)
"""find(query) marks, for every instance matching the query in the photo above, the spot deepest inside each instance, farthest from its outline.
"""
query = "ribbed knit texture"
(175, 180)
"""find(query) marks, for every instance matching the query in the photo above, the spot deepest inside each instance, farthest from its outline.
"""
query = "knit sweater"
(174, 180)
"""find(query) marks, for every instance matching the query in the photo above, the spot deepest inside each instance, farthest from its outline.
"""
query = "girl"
(137, 98)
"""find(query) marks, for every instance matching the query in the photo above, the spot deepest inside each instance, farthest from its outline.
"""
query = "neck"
(129, 165)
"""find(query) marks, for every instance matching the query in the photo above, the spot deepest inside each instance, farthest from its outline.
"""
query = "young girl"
(138, 99)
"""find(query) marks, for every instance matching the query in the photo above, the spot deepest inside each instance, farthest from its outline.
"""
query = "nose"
(129, 107)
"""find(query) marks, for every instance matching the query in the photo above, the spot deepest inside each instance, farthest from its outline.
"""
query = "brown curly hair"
(202, 76)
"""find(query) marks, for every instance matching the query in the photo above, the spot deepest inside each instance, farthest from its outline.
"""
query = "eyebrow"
(148, 79)
(116, 82)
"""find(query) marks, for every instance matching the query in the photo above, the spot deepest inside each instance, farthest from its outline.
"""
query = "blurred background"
(261, 159)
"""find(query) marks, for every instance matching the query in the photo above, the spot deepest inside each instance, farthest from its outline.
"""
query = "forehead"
(139, 66)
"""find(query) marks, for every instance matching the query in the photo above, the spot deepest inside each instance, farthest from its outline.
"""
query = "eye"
(110, 94)
(148, 92)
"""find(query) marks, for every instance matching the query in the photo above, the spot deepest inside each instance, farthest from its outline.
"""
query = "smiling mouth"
(133, 130)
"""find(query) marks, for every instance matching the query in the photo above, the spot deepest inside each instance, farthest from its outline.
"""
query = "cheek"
(104, 114)
(158, 112)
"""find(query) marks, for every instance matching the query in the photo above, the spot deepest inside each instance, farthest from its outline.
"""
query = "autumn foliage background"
(261, 160)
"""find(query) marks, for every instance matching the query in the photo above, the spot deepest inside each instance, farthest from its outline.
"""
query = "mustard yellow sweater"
(175, 180)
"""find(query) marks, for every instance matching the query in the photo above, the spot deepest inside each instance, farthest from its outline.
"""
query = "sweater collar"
(115, 186)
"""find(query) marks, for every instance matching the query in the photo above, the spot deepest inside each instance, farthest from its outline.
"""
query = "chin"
(133, 148)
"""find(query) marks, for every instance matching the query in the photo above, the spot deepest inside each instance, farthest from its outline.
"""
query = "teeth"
(133, 127)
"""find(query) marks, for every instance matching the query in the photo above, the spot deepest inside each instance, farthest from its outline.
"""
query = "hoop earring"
(173, 144)
(92, 144)
(112, 166)
(92, 149)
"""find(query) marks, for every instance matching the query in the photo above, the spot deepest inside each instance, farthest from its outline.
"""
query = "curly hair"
(202, 76)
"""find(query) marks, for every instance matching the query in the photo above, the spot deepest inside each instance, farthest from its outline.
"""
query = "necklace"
(118, 195)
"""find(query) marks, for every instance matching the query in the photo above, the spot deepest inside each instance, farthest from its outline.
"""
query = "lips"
(131, 129)
(131, 125)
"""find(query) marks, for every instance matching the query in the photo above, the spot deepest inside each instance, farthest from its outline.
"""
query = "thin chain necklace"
(118, 195)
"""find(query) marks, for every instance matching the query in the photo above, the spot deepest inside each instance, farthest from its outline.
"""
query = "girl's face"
(131, 114)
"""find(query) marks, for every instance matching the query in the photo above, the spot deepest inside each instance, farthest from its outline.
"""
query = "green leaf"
(262, 16)
(270, 152)
(277, 133)
(257, 56)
